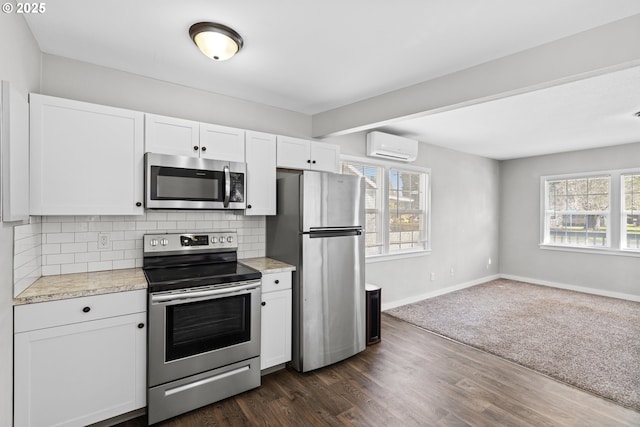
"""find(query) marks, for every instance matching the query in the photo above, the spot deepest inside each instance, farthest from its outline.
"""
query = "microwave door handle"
(227, 186)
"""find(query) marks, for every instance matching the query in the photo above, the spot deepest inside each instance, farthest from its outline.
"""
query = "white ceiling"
(311, 56)
(590, 113)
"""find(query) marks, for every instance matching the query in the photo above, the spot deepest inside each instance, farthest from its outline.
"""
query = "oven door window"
(169, 183)
(203, 326)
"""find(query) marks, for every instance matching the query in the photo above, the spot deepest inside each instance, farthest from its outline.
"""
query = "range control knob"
(229, 239)
(164, 242)
(214, 240)
(154, 242)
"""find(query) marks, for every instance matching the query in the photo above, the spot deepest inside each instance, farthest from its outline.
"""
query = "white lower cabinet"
(84, 371)
(276, 320)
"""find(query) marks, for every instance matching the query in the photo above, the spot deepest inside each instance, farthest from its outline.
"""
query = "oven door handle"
(201, 294)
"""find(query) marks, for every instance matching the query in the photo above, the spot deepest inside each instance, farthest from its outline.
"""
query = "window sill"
(395, 256)
(603, 251)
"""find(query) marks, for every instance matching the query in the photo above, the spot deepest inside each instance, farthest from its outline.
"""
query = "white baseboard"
(583, 289)
(416, 298)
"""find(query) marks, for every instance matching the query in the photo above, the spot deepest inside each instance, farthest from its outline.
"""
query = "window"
(630, 238)
(577, 211)
(373, 204)
(592, 211)
(407, 210)
(396, 203)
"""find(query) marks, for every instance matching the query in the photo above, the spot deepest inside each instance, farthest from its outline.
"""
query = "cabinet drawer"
(63, 312)
(276, 281)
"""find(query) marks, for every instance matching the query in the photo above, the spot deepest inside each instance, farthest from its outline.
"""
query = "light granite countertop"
(267, 265)
(64, 286)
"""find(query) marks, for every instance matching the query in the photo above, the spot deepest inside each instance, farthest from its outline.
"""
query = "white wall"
(464, 225)
(20, 65)
(520, 225)
(67, 78)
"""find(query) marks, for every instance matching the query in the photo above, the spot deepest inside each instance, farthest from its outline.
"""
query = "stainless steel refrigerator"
(319, 228)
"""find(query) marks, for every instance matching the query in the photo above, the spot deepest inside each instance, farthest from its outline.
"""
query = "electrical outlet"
(452, 271)
(433, 276)
(103, 240)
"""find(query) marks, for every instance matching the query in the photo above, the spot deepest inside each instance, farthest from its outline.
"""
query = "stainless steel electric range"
(204, 322)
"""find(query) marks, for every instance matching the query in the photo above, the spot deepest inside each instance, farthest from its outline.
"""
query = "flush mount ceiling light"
(216, 41)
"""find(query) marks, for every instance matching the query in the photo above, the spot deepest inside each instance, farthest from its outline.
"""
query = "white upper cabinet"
(325, 157)
(221, 143)
(86, 159)
(14, 139)
(169, 135)
(293, 153)
(296, 153)
(261, 173)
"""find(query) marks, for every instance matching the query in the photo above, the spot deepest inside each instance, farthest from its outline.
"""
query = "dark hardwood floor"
(411, 378)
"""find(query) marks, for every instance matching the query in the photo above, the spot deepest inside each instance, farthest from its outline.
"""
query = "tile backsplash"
(27, 256)
(69, 244)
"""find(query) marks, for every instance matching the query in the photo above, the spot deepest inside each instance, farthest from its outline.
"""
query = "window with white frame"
(577, 211)
(396, 203)
(595, 211)
(630, 236)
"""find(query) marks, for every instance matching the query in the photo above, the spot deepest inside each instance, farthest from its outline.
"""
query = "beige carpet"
(589, 341)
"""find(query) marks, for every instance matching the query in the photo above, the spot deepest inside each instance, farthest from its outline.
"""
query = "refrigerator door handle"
(351, 228)
(334, 232)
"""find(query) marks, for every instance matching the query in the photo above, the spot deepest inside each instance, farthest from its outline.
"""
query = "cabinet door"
(168, 135)
(324, 157)
(81, 373)
(221, 143)
(276, 329)
(86, 159)
(14, 141)
(261, 173)
(293, 153)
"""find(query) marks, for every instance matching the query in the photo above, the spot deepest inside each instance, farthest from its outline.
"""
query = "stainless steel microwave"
(182, 182)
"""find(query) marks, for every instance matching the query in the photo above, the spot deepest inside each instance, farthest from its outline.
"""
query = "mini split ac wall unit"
(391, 147)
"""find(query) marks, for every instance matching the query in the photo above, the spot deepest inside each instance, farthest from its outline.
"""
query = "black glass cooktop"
(188, 276)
